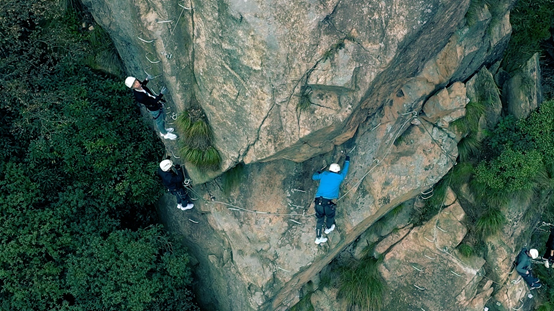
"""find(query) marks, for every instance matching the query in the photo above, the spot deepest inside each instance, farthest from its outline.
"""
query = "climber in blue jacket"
(327, 191)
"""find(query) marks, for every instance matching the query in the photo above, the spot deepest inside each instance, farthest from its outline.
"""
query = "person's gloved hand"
(149, 77)
(163, 90)
(347, 158)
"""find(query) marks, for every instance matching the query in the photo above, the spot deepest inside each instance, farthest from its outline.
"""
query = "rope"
(378, 161)
(241, 209)
(178, 19)
(446, 153)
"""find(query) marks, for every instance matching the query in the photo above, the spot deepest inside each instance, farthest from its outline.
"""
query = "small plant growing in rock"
(232, 178)
(468, 147)
(361, 285)
(333, 49)
(197, 140)
(305, 102)
(466, 250)
(490, 222)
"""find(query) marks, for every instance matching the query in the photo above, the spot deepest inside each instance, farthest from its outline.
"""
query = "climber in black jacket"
(549, 253)
(152, 102)
(173, 178)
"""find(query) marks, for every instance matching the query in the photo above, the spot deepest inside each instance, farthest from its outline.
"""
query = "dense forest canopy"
(77, 184)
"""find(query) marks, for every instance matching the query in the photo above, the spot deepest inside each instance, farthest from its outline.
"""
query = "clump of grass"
(232, 178)
(211, 158)
(362, 286)
(466, 250)
(468, 147)
(305, 102)
(488, 196)
(197, 140)
(470, 122)
(490, 222)
(184, 121)
(198, 135)
(474, 112)
(399, 140)
(460, 174)
(192, 155)
(460, 125)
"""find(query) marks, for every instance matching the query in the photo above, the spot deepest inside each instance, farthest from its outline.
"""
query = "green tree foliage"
(517, 154)
(76, 178)
(531, 21)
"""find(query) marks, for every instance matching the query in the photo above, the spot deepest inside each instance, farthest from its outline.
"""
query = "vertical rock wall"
(364, 68)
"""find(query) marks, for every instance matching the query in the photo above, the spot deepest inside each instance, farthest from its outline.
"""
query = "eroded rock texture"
(369, 72)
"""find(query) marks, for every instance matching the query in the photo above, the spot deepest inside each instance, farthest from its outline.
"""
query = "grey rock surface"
(367, 69)
(522, 92)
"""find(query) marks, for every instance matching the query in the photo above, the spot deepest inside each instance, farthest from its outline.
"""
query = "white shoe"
(546, 264)
(179, 206)
(189, 206)
(320, 240)
(169, 136)
(170, 130)
(327, 231)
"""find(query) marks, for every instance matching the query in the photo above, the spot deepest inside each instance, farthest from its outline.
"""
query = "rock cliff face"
(381, 80)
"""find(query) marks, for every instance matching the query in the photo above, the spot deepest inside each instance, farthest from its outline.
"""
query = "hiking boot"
(327, 231)
(535, 286)
(189, 206)
(170, 130)
(320, 240)
(169, 136)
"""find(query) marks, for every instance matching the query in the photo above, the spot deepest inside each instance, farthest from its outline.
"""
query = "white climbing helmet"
(165, 165)
(534, 253)
(130, 81)
(335, 168)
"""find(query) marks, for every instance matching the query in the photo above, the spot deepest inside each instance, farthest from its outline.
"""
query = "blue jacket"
(523, 262)
(330, 182)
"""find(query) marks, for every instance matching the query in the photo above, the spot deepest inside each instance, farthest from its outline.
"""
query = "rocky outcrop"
(249, 64)
(446, 105)
(424, 270)
(523, 90)
(382, 79)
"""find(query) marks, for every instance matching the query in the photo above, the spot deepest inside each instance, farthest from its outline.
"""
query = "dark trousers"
(324, 208)
(529, 278)
(181, 195)
(547, 254)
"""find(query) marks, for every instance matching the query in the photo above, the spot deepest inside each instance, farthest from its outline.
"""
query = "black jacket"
(172, 180)
(550, 242)
(151, 103)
